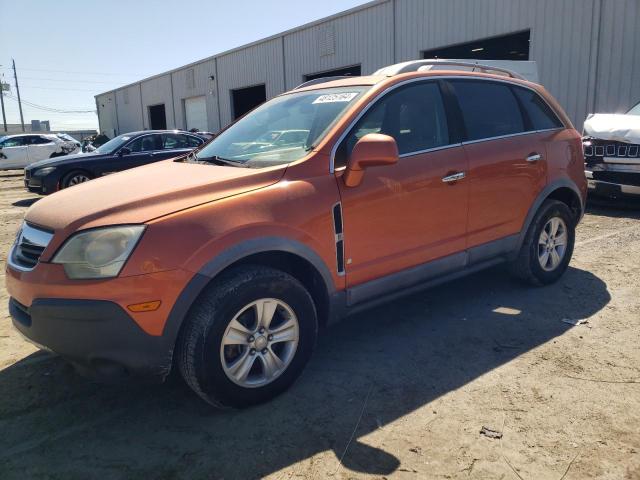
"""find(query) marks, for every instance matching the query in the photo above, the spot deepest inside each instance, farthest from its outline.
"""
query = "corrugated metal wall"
(129, 109)
(255, 65)
(587, 52)
(561, 32)
(107, 117)
(362, 38)
(156, 91)
(618, 72)
(195, 81)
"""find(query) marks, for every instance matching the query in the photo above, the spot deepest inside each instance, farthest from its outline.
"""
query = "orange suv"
(226, 262)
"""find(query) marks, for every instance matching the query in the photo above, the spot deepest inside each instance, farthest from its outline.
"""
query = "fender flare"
(542, 196)
(211, 269)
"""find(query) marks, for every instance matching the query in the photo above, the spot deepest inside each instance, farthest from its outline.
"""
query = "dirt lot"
(401, 391)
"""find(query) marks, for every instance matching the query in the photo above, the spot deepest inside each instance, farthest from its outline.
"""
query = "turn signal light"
(145, 306)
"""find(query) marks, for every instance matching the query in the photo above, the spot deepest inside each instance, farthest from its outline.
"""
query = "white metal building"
(587, 54)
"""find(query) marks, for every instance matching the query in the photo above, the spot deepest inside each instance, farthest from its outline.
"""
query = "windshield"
(635, 110)
(113, 144)
(64, 136)
(283, 129)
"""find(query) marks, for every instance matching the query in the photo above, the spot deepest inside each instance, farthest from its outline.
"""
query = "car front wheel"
(248, 337)
(75, 178)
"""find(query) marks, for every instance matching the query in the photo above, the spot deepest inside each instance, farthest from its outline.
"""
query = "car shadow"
(615, 208)
(25, 202)
(367, 371)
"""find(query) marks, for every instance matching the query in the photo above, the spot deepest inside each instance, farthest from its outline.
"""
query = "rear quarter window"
(488, 109)
(541, 117)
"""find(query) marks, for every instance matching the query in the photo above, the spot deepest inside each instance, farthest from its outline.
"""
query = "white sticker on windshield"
(336, 97)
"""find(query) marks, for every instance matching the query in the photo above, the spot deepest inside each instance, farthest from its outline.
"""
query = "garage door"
(195, 110)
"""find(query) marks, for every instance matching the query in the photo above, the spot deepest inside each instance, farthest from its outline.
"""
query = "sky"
(67, 51)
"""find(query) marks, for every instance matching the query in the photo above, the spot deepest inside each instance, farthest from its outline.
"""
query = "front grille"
(603, 148)
(29, 246)
(27, 174)
(621, 178)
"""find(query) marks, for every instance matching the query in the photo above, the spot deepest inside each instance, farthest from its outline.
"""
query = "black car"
(125, 151)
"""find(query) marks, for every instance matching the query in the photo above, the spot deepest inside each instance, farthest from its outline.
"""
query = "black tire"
(67, 181)
(527, 266)
(198, 348)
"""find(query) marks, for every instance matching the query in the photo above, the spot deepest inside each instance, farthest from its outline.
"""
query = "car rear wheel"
(548, 245)
(75, 178)
(247, 337)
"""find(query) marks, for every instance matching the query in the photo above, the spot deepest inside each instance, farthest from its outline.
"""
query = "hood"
(614, 127)
(52, 162)
(144, 193)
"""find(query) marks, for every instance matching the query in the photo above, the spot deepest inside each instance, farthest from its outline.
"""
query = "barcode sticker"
(336, 97)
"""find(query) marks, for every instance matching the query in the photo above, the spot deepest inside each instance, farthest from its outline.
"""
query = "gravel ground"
(400, 391)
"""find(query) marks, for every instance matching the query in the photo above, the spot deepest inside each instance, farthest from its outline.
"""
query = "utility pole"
(4, 117)
(15, 76)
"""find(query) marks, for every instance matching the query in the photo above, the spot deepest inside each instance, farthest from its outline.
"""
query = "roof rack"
(424, 65)
(308, 83)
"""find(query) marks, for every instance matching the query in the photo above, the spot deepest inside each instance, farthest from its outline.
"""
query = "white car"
(18, 151)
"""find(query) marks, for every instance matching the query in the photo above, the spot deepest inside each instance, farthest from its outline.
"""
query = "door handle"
(534, 157)
(454, 177)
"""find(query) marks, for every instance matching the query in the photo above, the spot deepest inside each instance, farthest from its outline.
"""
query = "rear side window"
(540, 115)
(488, 109)
(413, 115)
(146, 143)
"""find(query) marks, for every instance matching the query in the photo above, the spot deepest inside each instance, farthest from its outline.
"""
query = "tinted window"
(40, 140)
(540, 115)
(194, 141)
(13, 142)
(414, 115)
(488, 109)
(146, 143)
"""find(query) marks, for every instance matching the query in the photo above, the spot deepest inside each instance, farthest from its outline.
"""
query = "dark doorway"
(514, 46)
(354, 71)
(157, 117)
(245, 99)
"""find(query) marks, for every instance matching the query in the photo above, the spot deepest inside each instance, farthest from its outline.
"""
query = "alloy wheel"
(259, 343)
(552, 244)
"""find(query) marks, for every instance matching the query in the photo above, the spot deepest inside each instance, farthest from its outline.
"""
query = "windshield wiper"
(221, 161)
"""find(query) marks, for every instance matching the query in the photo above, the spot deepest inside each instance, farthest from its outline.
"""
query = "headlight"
(42, 172)
(98, 253)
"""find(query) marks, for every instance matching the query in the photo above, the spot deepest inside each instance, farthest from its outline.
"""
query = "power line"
(76, 72)
(66, 80)
(48, 109)
(57, 88)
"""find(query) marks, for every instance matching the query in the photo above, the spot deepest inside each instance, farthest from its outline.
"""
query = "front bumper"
(41, 185)
(97, 336)
(88, 322)
(610, 189)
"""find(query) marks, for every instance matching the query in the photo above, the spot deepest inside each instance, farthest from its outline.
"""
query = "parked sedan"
(18, 151)
(121, 153)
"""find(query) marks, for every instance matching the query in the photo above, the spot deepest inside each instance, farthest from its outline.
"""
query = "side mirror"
(372, 150)
(124, 151)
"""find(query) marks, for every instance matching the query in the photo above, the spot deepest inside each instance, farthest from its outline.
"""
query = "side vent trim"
(339, 237)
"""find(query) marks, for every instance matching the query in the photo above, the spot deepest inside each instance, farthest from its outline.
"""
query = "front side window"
(541, 117)
(114, 144)
(413, 115)
(301, 119)
(489, 109)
